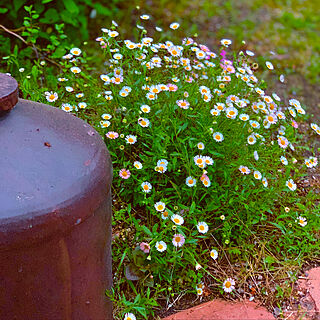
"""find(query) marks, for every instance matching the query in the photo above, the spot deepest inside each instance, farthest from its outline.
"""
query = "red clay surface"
(313, 282)
(308, 289)
(224, 310)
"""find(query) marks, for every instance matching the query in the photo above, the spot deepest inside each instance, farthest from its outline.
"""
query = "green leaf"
(269, 260)
(3, 10)
(192, 207)
(71, 6)
(154, 228)
(50, 16)
(149, 282)
(102, 10)
(34, 72)
(15, 50)
(282, 228)
(146, 230)
(46, 1)
(132, 272)
(59, 52)
(28, 8)
(69, 18)
(142, 311)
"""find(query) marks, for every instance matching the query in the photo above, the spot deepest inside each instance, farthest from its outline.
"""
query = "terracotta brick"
(224, 310)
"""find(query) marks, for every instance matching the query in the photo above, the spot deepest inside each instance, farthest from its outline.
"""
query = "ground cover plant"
(207, 165)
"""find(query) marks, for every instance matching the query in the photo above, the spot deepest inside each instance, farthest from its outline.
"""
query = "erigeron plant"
(201, 151)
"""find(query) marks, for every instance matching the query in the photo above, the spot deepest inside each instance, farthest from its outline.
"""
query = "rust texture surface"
(55, 216)
(8, 92)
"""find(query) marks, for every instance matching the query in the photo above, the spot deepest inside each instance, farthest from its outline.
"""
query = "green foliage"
(73, 13)
(47, 26)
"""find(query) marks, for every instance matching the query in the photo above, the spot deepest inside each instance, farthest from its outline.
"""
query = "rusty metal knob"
(8, 92)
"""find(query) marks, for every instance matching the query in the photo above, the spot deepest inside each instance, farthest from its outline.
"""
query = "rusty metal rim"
(9, 92)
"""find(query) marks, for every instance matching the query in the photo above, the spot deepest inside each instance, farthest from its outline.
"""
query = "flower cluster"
(195, 138)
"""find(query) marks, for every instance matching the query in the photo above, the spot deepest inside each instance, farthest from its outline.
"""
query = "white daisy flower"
(257, 174)
(113, 33)
(160, 206)
(66, 107)
(302, 221)
(291, 185)
(202, 227)
(75, 70)
(137, 165)
(214, 254)
(131, 139)
(177, 219)
(69, 89)
(146, 186)
(145, 17)
(252, 139)
(269, 65)
(145, 108)
(174, 25)
(82, 105)
(228, 285)
(265, 182)
(191, 181)
(218, 136)
(161, 246)
(225, 42)
(129, 316)
(51, 96)
(75, 51)
(284, 160)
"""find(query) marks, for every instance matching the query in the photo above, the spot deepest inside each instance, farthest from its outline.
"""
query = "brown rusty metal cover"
(55, 216)
(8, 92)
